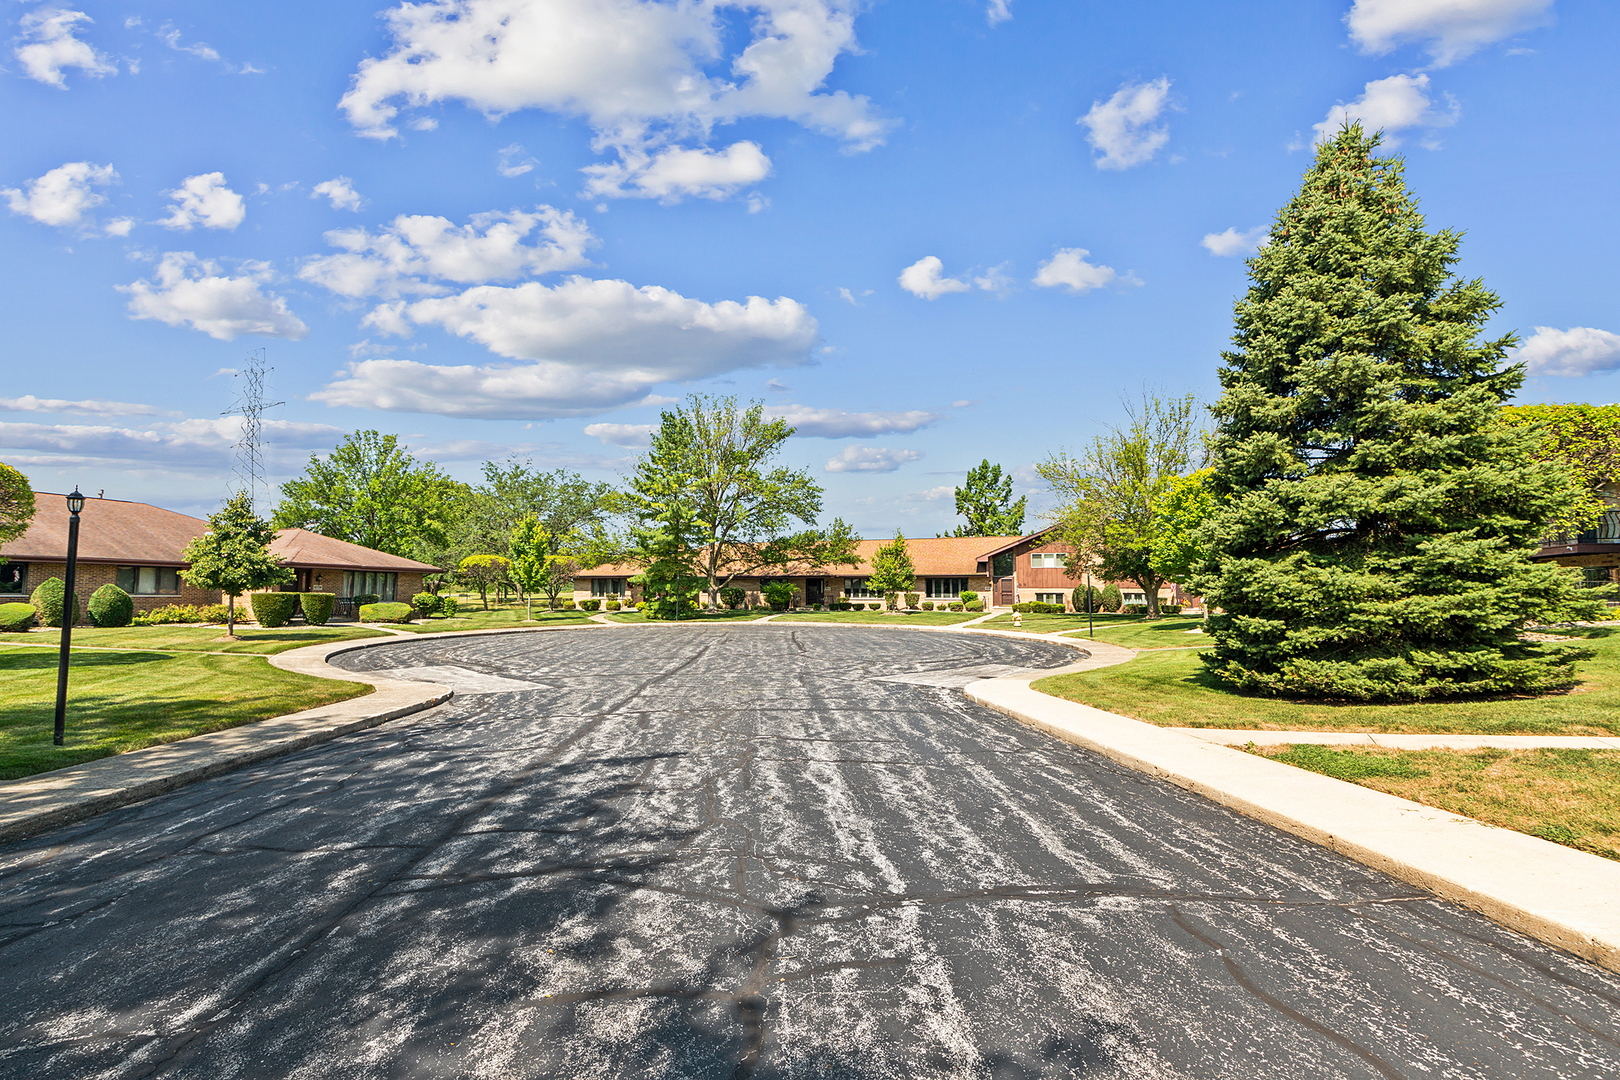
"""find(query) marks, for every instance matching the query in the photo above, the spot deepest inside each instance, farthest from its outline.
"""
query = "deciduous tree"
(1375, 516)
(233, 556)
(537, 565)
(987, 503)
(16, 503)
(893, 572)
(484, 571)
(1111, 495)
(370, 491)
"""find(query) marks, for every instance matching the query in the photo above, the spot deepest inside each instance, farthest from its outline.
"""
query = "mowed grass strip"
(119, 701)
(884, 618)
(1130, 631)
(634, 616)
(1172, 689)
(502, 617)
(253, 639)
(1570, 797)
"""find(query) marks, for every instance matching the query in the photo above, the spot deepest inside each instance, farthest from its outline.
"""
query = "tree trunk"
(230, 616)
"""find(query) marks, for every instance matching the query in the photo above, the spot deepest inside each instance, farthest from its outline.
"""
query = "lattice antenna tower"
(249, 468)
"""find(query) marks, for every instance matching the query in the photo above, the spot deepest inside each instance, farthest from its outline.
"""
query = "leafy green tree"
(233, 556)
(987, 503)
(16, 503)
(716, 459)
(370, 491)
(484, 572)
(1112, 495)
(1179, 544)
(572, 510)
(893, 572)
(537, 566)
(1374, 516)
(1583, 438)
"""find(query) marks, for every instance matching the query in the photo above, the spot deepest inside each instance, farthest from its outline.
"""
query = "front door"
(1004, 592)
(814, 590)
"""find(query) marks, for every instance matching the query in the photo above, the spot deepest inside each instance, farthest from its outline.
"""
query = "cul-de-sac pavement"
(743, 851)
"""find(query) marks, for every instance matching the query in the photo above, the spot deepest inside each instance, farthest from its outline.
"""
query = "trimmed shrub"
(1038, 607)
(911, 600)
(1084, 598)
(732, 597)
(779, 594)
(956, 605)
(968, 596)
(815, 607)
(378, 613)
(1136, 609)
(928, 605)
(316, 606)
(1169, 609)
(566, 605)
(1110, 599)
(50, 600)
(448, 606)
(365, 598)
(612, 605)
(174, 613)
(978, 605)
(17, 618)
(589, 605)
(427, 603)
(273, 609)
(110, 606)
(213, 613)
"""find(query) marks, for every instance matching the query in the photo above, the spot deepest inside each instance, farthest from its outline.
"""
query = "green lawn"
(637, 617)
(1172, 689)
(253, 639)
(120, 701)
(503, 617)
(915, 618)
(1567, 796)
(1053, 624)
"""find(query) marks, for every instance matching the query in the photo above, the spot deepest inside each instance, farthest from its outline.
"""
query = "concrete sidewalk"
(1555, 894)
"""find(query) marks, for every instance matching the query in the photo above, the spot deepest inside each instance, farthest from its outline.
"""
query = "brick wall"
(92, 576)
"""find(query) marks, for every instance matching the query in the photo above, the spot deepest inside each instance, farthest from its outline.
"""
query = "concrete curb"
(1555, 894)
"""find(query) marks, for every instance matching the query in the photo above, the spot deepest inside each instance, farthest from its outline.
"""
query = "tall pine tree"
(1374, 516)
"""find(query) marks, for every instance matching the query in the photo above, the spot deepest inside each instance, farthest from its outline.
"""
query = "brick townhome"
(1001, 569)
(139, 548)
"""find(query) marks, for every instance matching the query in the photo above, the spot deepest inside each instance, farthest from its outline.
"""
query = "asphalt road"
(739, 851)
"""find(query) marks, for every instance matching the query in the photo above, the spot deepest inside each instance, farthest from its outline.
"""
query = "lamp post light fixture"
(70, 611)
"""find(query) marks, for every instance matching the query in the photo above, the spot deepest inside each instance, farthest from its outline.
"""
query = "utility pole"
(249, 467)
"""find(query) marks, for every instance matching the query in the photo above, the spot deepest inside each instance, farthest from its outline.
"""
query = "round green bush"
(1110, 599)
(967, 596)
(273, 609)
(111, 606)
(978, 605)
(426, 603)
(957, 606)
(16, 618)
(50, 601)
(386, 613)
(612, 605)
(448, 606)
(316, 606)
(589, 605)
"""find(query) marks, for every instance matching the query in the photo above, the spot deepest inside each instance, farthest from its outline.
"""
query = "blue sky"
(926, 232)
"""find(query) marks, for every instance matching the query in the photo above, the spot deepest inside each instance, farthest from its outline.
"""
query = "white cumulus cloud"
(1120, 128)
(64, 195)
(580, 347)
(204, 200)
(925, 278)
(1449, 29)
(631, 436)
(674, 173)
(87, 407)
(47, 47)
(1580, 350)
(339, 191)
(642, 73)
(192, 291)
(1069, 269)
(999, 11)
(1391, 105)
(190, 443)
(1232, 242)
(870, 459)
(839, 424)
(416, 251)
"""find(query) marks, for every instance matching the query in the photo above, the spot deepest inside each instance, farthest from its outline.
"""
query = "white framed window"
(856, 587)
(369, 583)
(946, 588)
(149, 580)
(1049, 597)
(1046, 560)
(607, 586)
(1133, 597)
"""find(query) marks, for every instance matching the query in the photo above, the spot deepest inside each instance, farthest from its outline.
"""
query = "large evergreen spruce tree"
(1374, 516)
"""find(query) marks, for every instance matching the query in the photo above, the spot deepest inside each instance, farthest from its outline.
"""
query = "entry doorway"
(1004, 592)
(815, 590)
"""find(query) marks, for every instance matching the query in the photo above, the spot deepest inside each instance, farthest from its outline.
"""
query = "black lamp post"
(1091, 606)
(70, 611)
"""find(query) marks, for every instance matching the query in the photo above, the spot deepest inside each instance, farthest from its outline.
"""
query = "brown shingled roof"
(307, 550)
(110, 530)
